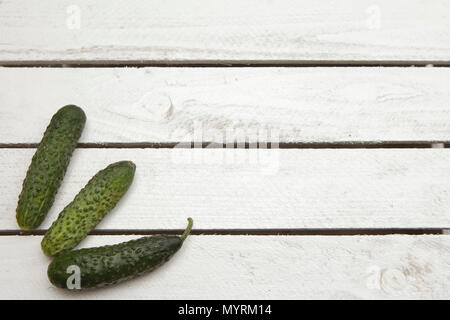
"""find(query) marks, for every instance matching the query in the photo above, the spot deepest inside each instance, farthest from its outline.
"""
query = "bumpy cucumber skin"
(90, 205)
(108, 265)
(48, 166)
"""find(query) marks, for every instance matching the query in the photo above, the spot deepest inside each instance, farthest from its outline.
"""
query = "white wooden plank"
(194, 104)
(216, 30)
(233, 189)
(256, 267)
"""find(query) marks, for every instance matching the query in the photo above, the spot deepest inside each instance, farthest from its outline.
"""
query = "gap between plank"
(261, 232)
(218, 64)
(281, 145)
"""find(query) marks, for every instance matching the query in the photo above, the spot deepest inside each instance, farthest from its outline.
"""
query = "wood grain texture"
(241, 30)
(260, 267)
(231, 104)
(242, 188)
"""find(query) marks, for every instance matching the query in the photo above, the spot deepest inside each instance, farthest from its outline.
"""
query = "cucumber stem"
(188, 229)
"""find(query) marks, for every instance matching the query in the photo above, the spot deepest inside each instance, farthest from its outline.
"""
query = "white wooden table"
(353, 203)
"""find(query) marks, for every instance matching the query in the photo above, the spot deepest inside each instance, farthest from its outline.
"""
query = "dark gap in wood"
(219, 64)
(259, 232)
(209, 145)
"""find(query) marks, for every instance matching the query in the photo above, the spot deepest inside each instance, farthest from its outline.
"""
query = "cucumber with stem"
(102, 266)
(91, 204)
(48, 166)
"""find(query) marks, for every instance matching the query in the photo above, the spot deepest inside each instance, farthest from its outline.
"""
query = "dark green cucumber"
(90, 205)
(48, 166)
(108, 265)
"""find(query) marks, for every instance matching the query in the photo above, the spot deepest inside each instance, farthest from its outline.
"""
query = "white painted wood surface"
(241, 189)
(195, 104)
(233, 189)
(260, 267)
(240, 30)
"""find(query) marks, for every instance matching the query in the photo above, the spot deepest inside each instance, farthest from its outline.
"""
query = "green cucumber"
(90, 205)
(102, 266)
(48, 166)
